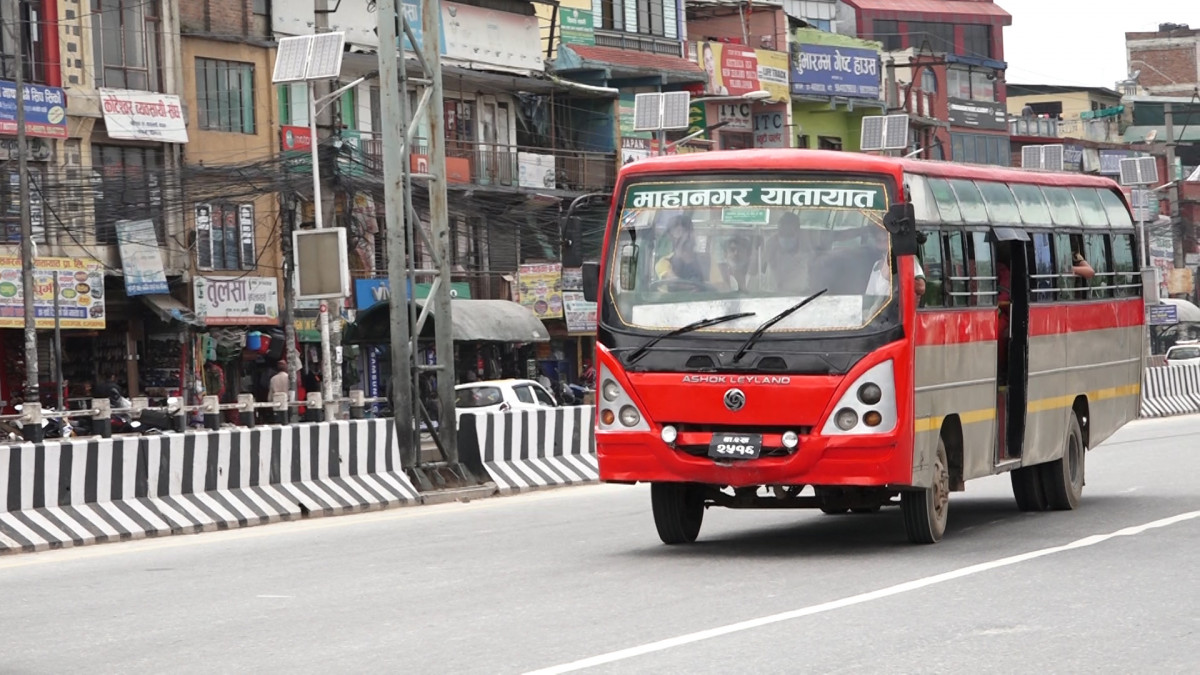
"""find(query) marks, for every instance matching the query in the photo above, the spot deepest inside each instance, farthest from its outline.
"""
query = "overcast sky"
(1081, 42)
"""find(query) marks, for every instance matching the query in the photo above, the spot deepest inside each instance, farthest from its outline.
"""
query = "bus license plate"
(735, 446)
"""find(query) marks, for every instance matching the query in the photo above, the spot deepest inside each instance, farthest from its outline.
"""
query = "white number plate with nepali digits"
(735, 446)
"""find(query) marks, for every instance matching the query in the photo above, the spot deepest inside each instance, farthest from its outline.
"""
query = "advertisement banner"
(143, 116)
(141, 258)
(482, 35)
(540, 289)
(45, 110)
(633, 149)
(732, 70)
(773, 74)
(80, 293)
(770, 130)
(835, 71)
(577, 26)
(237, 301)
(580, 314)
(536, 171)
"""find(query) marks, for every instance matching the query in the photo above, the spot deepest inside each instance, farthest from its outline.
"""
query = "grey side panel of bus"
(956, 379)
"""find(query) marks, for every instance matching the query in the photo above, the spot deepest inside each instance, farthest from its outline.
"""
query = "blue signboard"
(835, 71)
(370, 292)
(45, 110)
(1163, 315)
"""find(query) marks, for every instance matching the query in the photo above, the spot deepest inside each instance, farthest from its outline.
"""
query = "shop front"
(555, 296)
(242, 339)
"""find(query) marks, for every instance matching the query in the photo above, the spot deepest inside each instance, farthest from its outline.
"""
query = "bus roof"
(850, 162)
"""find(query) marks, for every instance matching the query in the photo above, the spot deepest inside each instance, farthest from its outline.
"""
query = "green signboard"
(732, 195)
(745, 216)
(577, 26)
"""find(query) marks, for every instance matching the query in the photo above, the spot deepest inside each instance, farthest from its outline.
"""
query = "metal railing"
(513, 166)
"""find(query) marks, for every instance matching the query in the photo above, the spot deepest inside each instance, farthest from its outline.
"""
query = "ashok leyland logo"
(735, 400)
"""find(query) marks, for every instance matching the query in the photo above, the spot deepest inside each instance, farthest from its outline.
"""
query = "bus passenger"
(735, 270)
(791, 254)
(1080, 267)
(682, 263)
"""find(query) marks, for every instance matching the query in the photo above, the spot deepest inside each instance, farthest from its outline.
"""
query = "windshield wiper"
(758, 332)
(695, 325)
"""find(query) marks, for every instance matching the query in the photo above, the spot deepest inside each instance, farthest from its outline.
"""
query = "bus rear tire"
(926, 511)
(678, 511)
(1027, 488)
(1062, 479)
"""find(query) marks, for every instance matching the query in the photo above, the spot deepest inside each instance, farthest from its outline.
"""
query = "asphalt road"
(576, 577)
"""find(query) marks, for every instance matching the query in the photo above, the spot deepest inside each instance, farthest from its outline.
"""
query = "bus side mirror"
(572, 252)
(901, 222)
(591, 281)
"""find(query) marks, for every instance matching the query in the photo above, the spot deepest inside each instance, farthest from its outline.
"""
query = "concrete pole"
(1173, 193)
(32, 394)
(439, 224)
(395, 151)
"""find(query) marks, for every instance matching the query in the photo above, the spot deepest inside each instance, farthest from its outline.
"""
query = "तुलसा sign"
(701, 195)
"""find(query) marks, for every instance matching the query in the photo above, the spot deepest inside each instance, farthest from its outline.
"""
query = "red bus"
(763, 340)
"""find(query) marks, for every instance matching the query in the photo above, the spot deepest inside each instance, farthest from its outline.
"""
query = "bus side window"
(1123, 265)
(985, 270)
(931, 262)
(1044, 280)
(1096, 253)
(1062, 262)
(956, 272)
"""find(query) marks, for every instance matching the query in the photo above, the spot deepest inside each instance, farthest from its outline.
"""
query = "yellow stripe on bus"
(926, 424)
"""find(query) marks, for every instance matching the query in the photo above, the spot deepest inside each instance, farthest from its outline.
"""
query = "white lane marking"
(906, 587)
(273, 597)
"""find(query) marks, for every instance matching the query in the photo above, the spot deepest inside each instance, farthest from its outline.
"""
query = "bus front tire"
(678, 511)
(1027, 488)
(1062, 479)
(926, 511)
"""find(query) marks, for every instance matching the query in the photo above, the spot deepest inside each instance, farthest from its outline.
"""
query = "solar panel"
(291, 59)
(895, 133)
(1031, 157)
(1139, 171)
(676, 110)
(325, 61)
(1052, 157)
(872, 133)
(647, 112)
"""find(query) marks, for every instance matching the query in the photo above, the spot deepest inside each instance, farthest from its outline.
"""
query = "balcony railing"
(639, 43)
(475, 163)
(1034, 126)
(1100, 130)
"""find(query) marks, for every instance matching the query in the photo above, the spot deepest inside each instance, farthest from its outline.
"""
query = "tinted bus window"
(1090, 207)
(1044, 279)
(1062, 263)
(970, 202)
(1123, 265)
(947, 203)
(1118, 215)
(1096, 253)
(956, 271)
(1001, 206)
(917, 188)
(931, 261)
(984, 284)
(1062, 206)
(1032, 204)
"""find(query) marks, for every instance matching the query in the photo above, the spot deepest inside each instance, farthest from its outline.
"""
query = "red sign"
(295, 139)
(458, 169)
(739, 69)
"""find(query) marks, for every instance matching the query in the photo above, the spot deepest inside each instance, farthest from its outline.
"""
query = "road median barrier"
(1171, 390)
(529, 449)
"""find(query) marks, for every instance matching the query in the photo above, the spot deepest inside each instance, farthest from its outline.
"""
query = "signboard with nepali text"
(541, 289)
(45, 110)
(141, 258)
(80, 293)
(849, 195)
(835, 71)
(237, 301)
(143, 116)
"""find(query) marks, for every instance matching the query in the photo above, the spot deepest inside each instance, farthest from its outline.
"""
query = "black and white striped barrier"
(528, 449)
(1171, 390)
(72, 493)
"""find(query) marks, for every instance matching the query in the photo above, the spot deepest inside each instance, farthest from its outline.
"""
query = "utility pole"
(405, 226)
(32, 394)
(393, 89)
(1177, 226)
(287, 207)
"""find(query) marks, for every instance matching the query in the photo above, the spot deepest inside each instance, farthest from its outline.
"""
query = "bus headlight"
(616, 409)
(669, 434)
(630, 416)
(867, 406)
(847, 419)
(790, 440)
(611, 391)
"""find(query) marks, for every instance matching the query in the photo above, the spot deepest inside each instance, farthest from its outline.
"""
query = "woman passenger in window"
(682, 263)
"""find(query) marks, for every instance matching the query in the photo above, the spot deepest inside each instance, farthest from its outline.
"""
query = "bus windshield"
(686, 250)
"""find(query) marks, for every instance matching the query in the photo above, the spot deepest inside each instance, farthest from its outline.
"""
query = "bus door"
(1012, 353)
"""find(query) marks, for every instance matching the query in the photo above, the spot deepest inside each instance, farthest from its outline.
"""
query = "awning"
(474, 321)
(169, 309)
(946, 11)
(1185, 310)
(627, 63)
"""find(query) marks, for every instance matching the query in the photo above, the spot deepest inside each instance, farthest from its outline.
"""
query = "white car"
(499, 395)
(1183, 353)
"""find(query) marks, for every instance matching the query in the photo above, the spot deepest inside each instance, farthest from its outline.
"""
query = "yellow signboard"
(80, 293)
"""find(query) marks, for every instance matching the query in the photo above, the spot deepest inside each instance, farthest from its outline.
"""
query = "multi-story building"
(1086, 113)
(1165, 62)
(946, 59)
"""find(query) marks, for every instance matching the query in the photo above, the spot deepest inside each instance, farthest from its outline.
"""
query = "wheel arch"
(1082, 411)
(951, 434)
